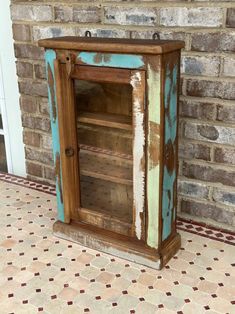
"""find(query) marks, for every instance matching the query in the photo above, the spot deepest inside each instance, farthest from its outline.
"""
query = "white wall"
(10, 95)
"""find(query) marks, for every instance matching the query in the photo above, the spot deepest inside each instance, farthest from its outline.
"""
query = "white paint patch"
(138, 153)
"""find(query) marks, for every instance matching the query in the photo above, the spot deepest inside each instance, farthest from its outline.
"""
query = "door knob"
(69, 151)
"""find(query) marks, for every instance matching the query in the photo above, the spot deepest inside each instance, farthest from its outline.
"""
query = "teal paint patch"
(111, 60)
(169, 175)
(50, 56)
(170, 102)
(167, 202)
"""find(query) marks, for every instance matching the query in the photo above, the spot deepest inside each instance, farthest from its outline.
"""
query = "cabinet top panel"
(122, 45)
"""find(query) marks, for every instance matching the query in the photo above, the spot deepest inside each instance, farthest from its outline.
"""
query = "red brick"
(224, 155)
(29, 87)
(44, 157)
(34, 169)
(28, 104)
(39, 123)
(226, 113)
(223, 196)
(207, 210)
(215, 89)
(24, 69)
(191, 150)
(21, 32)
(49, 173)
(43, 106)
(213, 42)
(197, 110)
(86, 14)
(193, 189)
(32, 138)
(28, 51)
(209, 173)
(40, 71)
(230, 19)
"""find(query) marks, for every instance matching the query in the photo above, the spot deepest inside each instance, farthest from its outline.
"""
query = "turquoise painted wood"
(111, 60)
(50, 56)
(169, 171)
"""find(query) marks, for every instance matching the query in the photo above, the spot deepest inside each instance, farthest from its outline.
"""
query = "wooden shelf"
(105, 167)
(107, 152)
(105, 197)
(105, 119)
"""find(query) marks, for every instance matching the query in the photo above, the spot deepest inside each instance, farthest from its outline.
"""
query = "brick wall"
(207, 108)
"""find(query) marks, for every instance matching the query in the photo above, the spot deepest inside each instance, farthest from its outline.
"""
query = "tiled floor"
(41, 273)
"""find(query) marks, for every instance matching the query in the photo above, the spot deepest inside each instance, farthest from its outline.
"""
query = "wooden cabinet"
(113, 109)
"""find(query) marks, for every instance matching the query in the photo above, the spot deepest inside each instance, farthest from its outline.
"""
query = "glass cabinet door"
(107, 132)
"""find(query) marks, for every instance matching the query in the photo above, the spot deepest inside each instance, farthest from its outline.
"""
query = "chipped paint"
(52, 92)
(138, 152)
(111, 60)
(50, 56)
(169, 173)
(153, 167)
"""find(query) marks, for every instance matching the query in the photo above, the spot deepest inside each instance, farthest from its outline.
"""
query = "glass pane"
(104, 126)
(3, 159)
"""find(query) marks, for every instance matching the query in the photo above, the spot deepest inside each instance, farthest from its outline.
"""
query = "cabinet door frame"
(61, 77)
(136, 78)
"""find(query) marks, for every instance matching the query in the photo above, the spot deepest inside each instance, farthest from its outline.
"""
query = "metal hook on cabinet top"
(87, 34)
(156, 36)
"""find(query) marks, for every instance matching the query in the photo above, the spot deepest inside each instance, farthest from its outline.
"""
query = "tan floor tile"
(163, 285)
(137, 289)
(121, 283)
(71, 309)
(221, 305)
(146, 279)
(85, 258)
(207, 286)
(68, 294)
(147, 308)
(105, 277)
(110, 294)
(90, 272)
(8, 243)
(79, 283)
(100, 262)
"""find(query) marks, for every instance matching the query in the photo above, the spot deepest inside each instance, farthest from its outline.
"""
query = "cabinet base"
(117, 245)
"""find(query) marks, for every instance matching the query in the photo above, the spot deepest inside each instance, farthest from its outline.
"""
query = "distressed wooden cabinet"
(113, 109)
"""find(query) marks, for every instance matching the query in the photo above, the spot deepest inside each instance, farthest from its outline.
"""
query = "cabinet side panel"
(153, 149)
(50, 56)
(170, 153)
